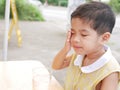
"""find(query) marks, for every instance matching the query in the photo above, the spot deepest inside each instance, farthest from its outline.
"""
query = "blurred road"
(53, 13)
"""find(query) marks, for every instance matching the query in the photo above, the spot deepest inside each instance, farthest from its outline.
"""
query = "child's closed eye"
(84, 35)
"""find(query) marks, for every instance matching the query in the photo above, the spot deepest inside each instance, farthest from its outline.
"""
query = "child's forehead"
(85, 21)
(82, 24)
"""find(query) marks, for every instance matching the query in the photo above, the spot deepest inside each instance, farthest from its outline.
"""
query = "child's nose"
(77, 38)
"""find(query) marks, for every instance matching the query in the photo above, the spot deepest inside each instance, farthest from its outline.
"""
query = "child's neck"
(92, 57)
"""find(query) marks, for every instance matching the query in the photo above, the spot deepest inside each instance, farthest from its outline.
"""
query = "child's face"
(84, 39)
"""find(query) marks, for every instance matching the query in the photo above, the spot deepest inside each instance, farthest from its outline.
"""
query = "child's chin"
(79, 53)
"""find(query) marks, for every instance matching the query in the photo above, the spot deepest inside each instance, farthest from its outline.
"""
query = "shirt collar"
(97, 64)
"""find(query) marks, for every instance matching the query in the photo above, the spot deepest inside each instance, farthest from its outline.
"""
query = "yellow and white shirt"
(87, 77)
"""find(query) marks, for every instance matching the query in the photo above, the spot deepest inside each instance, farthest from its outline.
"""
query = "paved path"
(42, 40)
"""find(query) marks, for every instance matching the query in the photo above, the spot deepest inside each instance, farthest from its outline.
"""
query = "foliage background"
(56, 2)
(115, 4)
(25, 11)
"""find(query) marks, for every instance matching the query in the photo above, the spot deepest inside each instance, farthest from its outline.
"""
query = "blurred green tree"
(115, 4)
(25, 11)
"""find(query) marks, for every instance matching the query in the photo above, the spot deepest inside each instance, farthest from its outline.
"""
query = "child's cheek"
(71, 40)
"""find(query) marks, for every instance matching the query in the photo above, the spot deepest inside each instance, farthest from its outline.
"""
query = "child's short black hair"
(99, 15)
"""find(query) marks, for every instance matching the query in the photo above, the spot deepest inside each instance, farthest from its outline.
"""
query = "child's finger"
(68, 35)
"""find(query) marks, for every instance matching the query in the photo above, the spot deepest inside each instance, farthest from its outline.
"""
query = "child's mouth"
(77, 47)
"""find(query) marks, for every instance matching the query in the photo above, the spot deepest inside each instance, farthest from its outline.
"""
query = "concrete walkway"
(42, 40)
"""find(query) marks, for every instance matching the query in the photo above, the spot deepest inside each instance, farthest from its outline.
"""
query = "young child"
(93, 66)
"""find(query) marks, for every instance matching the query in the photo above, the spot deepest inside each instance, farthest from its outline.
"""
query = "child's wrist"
(65, 51)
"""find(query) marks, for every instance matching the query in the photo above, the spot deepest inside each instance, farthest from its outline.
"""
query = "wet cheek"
(72, 40)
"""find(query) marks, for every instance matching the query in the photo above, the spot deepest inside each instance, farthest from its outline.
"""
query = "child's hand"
(68, 41)
(61, 60)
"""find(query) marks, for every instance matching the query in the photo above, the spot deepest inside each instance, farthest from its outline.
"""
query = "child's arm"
(61, 60)
(110, 82)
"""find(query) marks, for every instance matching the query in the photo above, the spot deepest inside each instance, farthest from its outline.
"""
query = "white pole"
(5, 43)
(72, 5)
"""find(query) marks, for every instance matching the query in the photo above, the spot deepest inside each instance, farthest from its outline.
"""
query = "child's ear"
(106, 37)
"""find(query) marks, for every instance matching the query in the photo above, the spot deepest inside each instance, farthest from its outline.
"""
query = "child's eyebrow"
(71, 29)
(82, 30)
